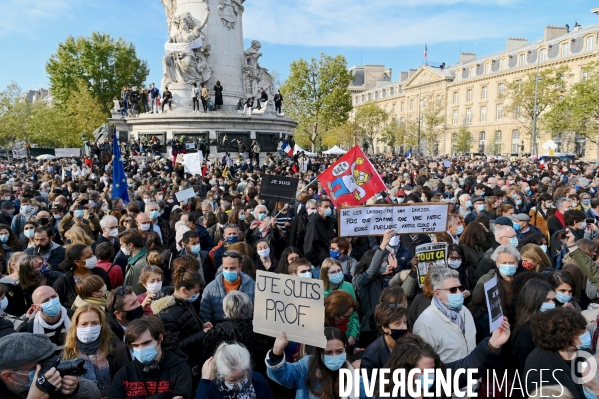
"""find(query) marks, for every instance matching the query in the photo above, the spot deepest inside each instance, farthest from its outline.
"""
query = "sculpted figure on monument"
(186, 54)
(228, 11)
(254, 75)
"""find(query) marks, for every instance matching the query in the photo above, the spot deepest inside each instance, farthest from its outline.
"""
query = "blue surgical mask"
(3, 303)
(31, 375)
(195, 249)
(52, 307)
(242, 217)
(586, 341)
(334, 362)
(514, 242)
(232, 239)
(334, 254)
(154, 214)
(519, 202)
(230, 276)
(4, 239)
(420, 381)
(507, 270)
(328, 212)
(586, 201)
(460, 230)
(262, 216)
(545, 306)
(480, 208)
(29, 233)
(336, 278)
(468, 204)
(193, 297)
(563, 298)
(145, 355)
(455, 301)
(306, 275)
(516, 227)
(79, 213)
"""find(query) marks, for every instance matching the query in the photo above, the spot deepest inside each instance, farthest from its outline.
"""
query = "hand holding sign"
(280, 344)
(501, 335)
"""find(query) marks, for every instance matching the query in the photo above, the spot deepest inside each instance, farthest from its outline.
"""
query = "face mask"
(45, 270)
(154, 288)
(26, 208)
(516, 227)
(57, 216)
(394, 241)
(336, 278)
(420, 381)
(88, 334)
(507, 270)
(478, 181)
(400, 200)
(334, 362)
(397, 334)
(195, 249)
(145, 355)
(125, 251)
(242, 217)
(144, 227)
(585, 340)
(3, 303)
(134, 314)
(480, 208)
(52, 307)
(460, 230)
(147, 200)
(230, 276)
(334, 254)
(264, 253)
(468, 204)
(545, 306)
(79, 213)
(306, 275)
(7, 198)
(232, 239)
(514, 241)
(44, 220)
(408, 192)
(154, 214)
(544, 248)
(193, 297)
(454, 263)
(29, 233)
(4, 238)
(31, 375)
(262, 216)
(170, 201)
(311, 211)
(582, 226)
(586, 201)
(563, 298)
(91, 263)
(518, 202)
(113, 232)
(455, 301)
(328, 212)
(9, 211)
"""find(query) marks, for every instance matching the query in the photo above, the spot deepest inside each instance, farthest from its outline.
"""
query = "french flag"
(287, 148)
(542, 164)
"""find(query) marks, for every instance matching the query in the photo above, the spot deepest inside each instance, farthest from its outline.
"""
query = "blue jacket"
(209, 390)
(211, 307)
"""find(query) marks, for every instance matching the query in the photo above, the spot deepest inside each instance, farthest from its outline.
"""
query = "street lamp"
(535, 111)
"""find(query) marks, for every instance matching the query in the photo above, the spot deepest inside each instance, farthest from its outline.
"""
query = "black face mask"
(44, 221)
(134, 314)
(397, 334)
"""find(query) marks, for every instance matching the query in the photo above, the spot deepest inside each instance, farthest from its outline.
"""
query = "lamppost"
(535, 111)
(83, 139)
(320, 143)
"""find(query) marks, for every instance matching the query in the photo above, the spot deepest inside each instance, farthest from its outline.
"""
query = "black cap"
(502, 220)
(7, 205)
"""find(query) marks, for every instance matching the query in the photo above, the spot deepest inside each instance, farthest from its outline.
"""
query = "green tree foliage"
(521, 95)
(433, 120)
(14, 115)
(103, 63)
(370, 122)
(316, 96)
(463, 140)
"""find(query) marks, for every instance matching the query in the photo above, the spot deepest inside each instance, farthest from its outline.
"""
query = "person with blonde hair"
(151, 279)
(534, 258)
(89, 337)
(76, 235)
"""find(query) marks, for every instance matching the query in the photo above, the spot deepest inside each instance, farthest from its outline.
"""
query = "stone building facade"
(471, 94)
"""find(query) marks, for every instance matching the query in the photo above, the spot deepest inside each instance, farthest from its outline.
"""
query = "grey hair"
(106, 221)
(505, 249)
(463, 196)
(93, 194)
(257, 207)
(152, 203)
(230, 358)
(238, 305)
(310, 202)
(499, 230)
(560, 202)
(208, 203)
(440, 274)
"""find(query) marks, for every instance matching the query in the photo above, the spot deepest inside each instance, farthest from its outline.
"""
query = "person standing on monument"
(278, 101)
(154, 96)
(205, 97)
(249, 105)
(144, 99)
(218, 95)
(195, 95)
(263, 98)
(167, 97)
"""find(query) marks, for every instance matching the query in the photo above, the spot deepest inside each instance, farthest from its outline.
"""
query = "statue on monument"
(256, 76)
(186, 54)
(228, 11)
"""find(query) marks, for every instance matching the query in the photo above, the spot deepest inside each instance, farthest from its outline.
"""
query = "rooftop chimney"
(403, 76)
(411, 72)
(551, 32)
(514, 43)
(466, 57)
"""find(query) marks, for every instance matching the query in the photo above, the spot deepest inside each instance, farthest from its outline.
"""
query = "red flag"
(352, 180)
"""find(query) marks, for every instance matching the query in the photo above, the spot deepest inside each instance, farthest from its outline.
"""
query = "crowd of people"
(155, 297)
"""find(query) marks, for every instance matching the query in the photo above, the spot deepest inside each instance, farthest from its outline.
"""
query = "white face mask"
(91, 263)
(88, 334)
(125, 251)
(153, 288)
(311, 211)
(144, 227)
(394, 241)
(113, 232)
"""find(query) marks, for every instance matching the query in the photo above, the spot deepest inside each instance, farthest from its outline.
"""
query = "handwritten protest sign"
(430, 255)
(193, 163)
(493, 304)
(185, 194)
(291, 304)
(423, 218)
(278, 188)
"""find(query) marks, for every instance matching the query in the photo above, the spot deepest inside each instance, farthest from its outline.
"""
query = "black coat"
(375, 356)
(57, 255)
(319, 233)
(65, 286)
(540, 360)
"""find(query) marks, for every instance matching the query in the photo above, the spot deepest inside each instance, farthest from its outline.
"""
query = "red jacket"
(115, 275)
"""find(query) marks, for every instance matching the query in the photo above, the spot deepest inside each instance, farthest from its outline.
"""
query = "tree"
(344, 135)
(463, 140)
(104, 64)
(370, 122)
(432, 125)
(14, 115)
(316, 96)
(521, 94)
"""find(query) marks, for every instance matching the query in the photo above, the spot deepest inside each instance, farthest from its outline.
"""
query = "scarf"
(89, 348)
(39, 324)
(452, 315)
(560, 217)
(243, 390)
(135, 258)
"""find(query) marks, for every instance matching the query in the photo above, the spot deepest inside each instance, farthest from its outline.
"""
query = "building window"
(411, 105)
(402, 120)
(488, 68)
(543, 55)
(515, 141)
(481, 142)
(355, 100)
(392, 91)
(455, 97)
(483, 94)
(455, 117)
(521, 59)
(439, 100)
(483, 113)
(584, 75)
(504, 64)
(590, 43)
(369, 96)
(384, 93)
(469, 95)
(362, 97)
(517, 112)
(482, 136)
(424, 102)
(564, 49)
(376, 95)
(499, 111)
(403, 107)
(472, 72)
(458, 74)
(468, 115)
(500, 89)
(393, 108)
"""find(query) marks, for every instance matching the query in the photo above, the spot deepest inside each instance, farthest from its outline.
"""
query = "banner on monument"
(290, 304)
(278, 188)
(422, 218)
(493, 304)
(430, 255)
(192, 163)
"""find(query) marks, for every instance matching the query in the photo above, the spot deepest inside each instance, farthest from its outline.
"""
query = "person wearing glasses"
(454, 334)
(122, 307)
(230, 279)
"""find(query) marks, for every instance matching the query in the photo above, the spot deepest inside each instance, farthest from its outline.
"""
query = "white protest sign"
(290, 304)
(185, 194)
(423, 218)
(493, 304)
(193, 163)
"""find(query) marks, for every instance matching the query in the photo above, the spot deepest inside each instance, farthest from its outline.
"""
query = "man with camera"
(29, 370)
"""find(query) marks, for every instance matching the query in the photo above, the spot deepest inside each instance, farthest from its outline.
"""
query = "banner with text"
(493, 304)
(278, 188)
(192, 163)
(424, 218)
(290, 304)
(430, 255)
